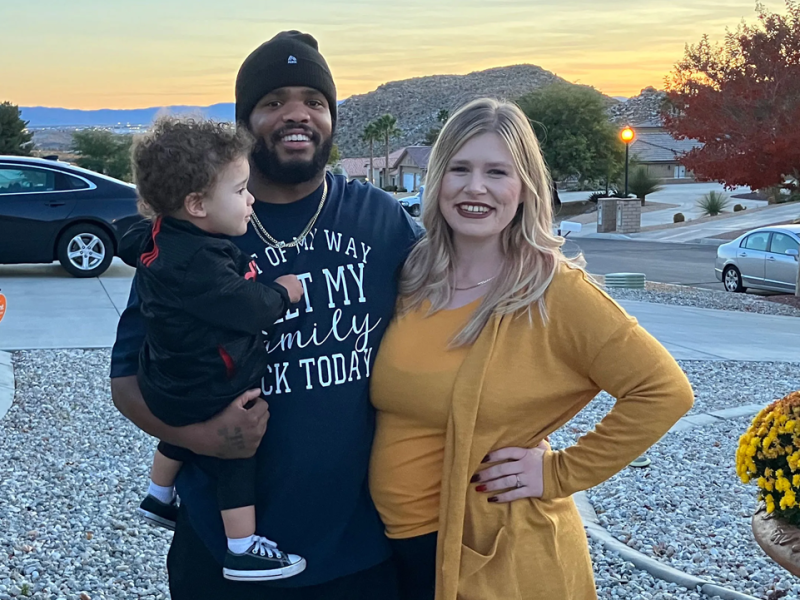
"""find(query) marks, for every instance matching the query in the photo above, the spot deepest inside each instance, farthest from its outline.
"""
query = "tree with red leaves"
(741, 99)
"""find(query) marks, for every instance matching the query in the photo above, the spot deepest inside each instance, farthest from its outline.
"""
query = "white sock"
(240, 545)
(161, 493)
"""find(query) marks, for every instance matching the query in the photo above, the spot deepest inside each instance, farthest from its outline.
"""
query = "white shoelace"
(265, 547)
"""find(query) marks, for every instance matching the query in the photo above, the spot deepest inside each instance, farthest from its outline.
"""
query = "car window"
(68, 182)
(756, 241)
(15, 180)
(782, 242)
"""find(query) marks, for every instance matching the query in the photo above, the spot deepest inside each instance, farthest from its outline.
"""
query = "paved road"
(687, 264)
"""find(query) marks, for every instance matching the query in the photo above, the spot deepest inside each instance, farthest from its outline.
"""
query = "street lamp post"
(627, 135)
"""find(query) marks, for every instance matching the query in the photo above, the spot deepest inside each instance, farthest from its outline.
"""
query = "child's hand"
(292, 285)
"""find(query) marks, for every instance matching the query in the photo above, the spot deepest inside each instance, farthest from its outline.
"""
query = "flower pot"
(778, 539)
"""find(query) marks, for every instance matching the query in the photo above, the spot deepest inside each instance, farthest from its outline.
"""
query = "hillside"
(644, 108)
(416, 102)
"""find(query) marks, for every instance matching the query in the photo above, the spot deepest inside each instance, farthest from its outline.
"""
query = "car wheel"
(85, 250)
(732, 279)
(414, 211)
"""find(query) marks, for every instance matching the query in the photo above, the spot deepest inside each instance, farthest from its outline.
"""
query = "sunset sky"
(132, 54)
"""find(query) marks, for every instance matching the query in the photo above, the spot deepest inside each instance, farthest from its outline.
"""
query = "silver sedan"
(763, 259)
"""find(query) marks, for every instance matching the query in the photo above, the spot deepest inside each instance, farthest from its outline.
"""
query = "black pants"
(195, 575)
(415, 561)
(234, 480)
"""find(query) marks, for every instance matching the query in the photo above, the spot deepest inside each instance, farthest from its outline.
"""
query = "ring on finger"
(519, 483)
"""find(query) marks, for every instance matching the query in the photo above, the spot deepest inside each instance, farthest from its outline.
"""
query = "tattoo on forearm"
(234, 440)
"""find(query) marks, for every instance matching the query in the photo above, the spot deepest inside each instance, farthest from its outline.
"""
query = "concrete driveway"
(49, 309)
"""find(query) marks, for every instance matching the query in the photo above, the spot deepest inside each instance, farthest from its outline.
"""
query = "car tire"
(414, 210)
(732, 280)
(85, 250)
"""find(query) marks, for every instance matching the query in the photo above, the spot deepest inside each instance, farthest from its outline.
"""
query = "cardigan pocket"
(489, 576)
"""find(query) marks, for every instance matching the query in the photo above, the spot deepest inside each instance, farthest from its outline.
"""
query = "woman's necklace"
(271, 241)
(472, 287)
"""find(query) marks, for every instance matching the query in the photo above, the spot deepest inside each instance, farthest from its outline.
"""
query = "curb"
(6, 383)
(643, 562)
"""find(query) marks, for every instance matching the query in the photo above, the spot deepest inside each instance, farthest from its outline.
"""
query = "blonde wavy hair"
(533, 253)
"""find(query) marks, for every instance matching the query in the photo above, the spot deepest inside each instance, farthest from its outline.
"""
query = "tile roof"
(358, 167)
(660, 147)
(419, 155)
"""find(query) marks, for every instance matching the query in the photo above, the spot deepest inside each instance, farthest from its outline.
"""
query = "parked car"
(413, 204)
(762, 259)
(51, 210)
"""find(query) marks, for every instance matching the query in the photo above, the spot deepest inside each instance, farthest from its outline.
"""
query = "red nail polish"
(480, 488)
(493, 499)
(475, 478)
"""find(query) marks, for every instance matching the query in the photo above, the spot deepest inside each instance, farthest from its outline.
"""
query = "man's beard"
(295, 171)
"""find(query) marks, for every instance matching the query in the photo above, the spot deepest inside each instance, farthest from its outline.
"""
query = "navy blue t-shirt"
(313, 497)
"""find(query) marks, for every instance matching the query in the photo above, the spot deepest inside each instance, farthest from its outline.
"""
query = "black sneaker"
(157, 513)
(262, 561)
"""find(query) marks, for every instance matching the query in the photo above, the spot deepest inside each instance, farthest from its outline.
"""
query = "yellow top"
(519, 382)
(411, 386)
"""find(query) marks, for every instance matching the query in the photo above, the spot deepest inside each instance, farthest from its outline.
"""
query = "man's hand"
(292, 285)
(236, 432)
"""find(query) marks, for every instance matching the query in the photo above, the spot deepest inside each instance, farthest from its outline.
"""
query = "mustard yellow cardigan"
(519, 383)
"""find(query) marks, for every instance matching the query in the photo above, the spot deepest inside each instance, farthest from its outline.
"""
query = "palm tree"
(387, 128)
(371, 135)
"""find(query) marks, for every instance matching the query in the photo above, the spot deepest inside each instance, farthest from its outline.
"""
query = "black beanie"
(290, 58)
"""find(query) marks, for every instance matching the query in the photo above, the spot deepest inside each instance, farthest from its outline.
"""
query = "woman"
(499, 341)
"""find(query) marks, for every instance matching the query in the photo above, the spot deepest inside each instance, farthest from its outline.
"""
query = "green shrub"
(642, 183)
(739, 208)
(390, 188)
(401, 189)
(713, 203)
(678, 218)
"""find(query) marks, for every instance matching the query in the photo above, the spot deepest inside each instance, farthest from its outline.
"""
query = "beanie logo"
(292, 60)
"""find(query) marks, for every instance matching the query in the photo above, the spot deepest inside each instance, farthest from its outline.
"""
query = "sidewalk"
(714, 227)
(64, 312)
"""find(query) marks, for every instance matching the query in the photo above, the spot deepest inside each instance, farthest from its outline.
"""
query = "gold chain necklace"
(271, 241)
(472, 287)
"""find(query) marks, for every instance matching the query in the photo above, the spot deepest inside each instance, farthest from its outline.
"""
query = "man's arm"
(234, 433)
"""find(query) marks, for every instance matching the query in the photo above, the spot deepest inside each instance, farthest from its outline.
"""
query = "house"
(659, 152)
(412, 166)
(407, 167)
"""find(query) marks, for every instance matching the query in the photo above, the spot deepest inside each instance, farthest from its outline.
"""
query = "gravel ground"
(72, 471)
(71, 474)
(726, 384)
(703, 298)
(696, 519)
(695, 515)
(616, 578)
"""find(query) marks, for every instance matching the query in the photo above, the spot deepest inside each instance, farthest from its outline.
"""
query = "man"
(346, 243)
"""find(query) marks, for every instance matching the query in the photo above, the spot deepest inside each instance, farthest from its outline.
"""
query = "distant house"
(659, 152)
(407, 167)
(412, 166)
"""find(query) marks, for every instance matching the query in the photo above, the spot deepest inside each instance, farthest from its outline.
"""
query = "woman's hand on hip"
(520, 472)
